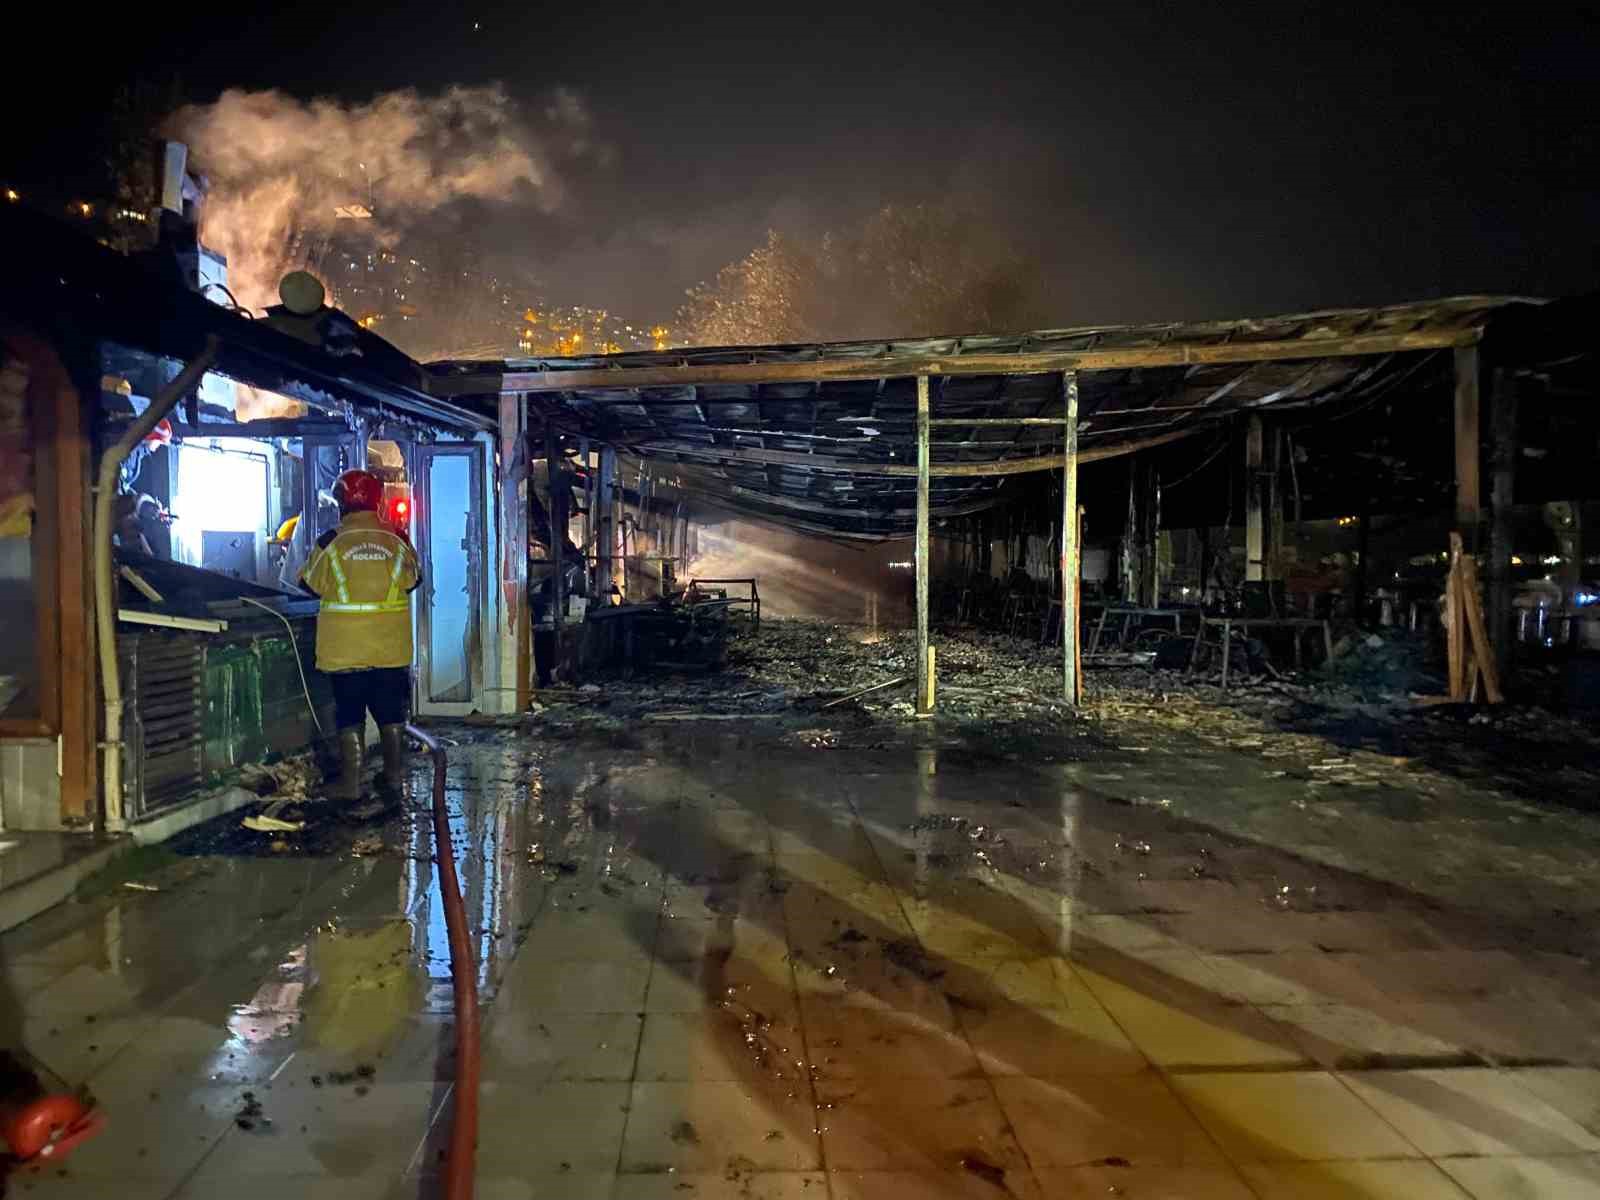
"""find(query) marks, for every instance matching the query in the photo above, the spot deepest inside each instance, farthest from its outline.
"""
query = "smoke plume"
(282, 169)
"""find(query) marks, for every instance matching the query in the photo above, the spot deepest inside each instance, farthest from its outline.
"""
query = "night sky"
(1163, 161)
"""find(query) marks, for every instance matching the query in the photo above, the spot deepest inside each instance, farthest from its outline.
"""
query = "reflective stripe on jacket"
(364, 576)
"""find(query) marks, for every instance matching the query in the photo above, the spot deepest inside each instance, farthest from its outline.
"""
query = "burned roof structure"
(823, 437)
(55, 273)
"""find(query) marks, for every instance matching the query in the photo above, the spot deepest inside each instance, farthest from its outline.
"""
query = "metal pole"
(1070, 549)
(924, 681)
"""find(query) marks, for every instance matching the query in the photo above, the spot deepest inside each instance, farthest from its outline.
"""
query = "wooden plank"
(1502, 485)
(1481, 649)
(924, 547)
(557, 497)
(1071, 551)
(839, 466)
(1255, 511)
(1077, 598)
(1469, 500)
(998, 422)
(1169, 354)
(1455, 643)
(517, 656)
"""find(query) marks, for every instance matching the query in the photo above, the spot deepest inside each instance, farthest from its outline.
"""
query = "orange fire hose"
(461, 1163)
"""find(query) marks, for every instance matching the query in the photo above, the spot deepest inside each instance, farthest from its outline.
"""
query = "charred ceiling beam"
(821, 369)
(1012, 466)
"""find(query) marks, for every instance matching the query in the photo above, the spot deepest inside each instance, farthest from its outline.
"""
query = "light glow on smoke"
(282, 169)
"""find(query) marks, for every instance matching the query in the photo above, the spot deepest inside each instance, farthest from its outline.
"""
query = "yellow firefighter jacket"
(364, 574)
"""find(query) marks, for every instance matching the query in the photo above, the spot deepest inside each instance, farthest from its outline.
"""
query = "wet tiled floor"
(717, 966)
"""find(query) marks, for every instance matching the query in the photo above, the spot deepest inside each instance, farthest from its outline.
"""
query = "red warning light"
(400, 511)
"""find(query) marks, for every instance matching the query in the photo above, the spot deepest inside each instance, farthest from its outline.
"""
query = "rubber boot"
(393, 738)
(348, 788)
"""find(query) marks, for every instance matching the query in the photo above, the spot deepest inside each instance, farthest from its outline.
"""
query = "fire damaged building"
(1001, 764)
(169, 467)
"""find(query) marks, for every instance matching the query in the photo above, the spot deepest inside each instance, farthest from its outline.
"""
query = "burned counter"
(211, 694)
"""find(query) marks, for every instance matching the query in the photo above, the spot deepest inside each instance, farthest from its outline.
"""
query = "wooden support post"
(559, 495)
(1149, 534)
(1503, 468)
(1455, 625)
(1255, 509)
(604, 524)
(1071, 549)
(1468, 498)
(586, 529)
(1077, 598)
(1129, 556)
(924, 659)
(619, 540)
(516, 649)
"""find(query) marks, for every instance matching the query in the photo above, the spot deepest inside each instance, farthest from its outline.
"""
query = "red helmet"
(358, 491)
(161, 435)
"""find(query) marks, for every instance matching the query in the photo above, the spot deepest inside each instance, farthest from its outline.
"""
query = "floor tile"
(1276, 1116)
(1142, 1183)
(576, 987)
(1070, 1121)
(1412, 1179)
(567, 1185)
(849, 1042)
(979, 1180)
(326, 1131)
(927, 1124)
(732, 1183)
(540, 1046)
(549, 1129)
(1030, 982)
(723, 1045)
(1572, 1091)
(764, 982)
(1198, 1035)
(703, 1126)
(1470, 1111)
(1429, 974)
(67, 1182)
(379, 1185)
(1080, 1040)
(626, 936)
(1349, 1037)
(1570, 1177)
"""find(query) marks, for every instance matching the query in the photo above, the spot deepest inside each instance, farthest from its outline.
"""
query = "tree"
(906, 271)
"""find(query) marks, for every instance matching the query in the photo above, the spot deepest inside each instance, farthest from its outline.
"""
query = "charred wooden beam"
(1469, 500)
(908, 366)
(817, 462)
(1071, 547)
(924, 546)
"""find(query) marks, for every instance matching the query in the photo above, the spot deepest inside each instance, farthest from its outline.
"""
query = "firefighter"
(364, 573)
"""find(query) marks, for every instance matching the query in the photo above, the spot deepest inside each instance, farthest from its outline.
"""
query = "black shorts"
(385, 691)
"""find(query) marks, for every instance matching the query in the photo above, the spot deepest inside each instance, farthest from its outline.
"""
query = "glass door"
(450, 546)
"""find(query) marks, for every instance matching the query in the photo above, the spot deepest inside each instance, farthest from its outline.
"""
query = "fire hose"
(460, 1162)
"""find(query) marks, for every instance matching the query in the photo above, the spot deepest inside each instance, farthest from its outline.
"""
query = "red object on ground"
(461, 1165)
(50, 1127)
